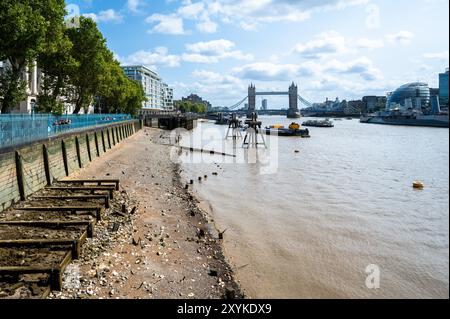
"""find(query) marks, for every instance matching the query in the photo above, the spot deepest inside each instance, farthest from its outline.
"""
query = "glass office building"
(412, 95)
(443, 88)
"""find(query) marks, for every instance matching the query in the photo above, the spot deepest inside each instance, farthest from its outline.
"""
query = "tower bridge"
(292, 93)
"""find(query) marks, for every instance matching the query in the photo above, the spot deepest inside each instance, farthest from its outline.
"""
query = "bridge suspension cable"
(304, 101)
(235, 106)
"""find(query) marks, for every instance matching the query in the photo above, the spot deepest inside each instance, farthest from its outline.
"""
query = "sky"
(329, 48)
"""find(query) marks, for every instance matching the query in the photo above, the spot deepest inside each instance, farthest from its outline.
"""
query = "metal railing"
(21, 129)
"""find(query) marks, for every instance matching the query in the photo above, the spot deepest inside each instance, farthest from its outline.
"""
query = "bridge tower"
(251, 99)
(293, 112)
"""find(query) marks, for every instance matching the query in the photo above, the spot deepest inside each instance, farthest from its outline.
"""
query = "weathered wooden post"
(88, 144)
(20, 176)
(96, 144)
(64, 154)
(48, 175)
(77, 147)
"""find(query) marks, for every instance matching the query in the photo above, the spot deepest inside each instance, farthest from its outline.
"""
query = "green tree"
(56, 68)
(135, 98)
(187, 106)
(119, 94)
(12, 90)
(91, 55)
(27, 28)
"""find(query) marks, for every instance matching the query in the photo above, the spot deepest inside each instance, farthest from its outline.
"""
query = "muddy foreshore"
(165, 247)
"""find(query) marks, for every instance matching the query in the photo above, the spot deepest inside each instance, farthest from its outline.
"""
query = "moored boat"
(293, 130)
(316, 123)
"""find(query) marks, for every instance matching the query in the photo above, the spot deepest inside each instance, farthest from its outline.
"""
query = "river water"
(338, 219)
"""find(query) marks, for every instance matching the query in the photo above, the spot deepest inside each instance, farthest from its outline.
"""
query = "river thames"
(319, 221)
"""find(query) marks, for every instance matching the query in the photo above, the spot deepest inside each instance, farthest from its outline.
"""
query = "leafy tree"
(135, 98)
(56, 67)
(12, 89)
(91, 55)
(119, 94)
(27, 28)
(187, 106)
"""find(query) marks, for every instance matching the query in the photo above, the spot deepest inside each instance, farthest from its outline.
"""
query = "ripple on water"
(346, 201)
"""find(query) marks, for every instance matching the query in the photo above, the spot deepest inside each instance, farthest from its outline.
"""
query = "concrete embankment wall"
(28, 169)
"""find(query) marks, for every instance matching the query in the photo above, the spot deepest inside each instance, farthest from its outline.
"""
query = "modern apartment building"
(159, 95)
(168, 97)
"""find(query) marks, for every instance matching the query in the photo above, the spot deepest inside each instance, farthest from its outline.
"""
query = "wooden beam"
(96, 144)
(64, 154)
(48, 174)
(109, 138)
(54, 223)
(88, 145)
(113, 136)
(77, 147)
(111, 189)
(44, 243)
(103, 142)
(77, 197)
(20, 176)
(73, 209)
(116, 182)
(55, 273)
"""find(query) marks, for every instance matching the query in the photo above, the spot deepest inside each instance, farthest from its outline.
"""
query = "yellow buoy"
(418, 185)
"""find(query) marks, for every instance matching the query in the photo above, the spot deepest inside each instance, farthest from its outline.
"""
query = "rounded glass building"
(412, 95)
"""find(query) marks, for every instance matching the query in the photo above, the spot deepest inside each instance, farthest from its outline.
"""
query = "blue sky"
(330, 48)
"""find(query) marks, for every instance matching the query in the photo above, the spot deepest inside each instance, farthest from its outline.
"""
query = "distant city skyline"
(330, 48)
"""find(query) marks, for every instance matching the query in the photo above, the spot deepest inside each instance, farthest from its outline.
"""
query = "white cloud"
(214, 47)
(213, 52)
(268, 71)
(159, 57)
(191, 10)
(207, 26)
(437, 55)
(109, 15)
(133, 5)
(92, 16)
(402, 37)
(249, 26)
(370, 44)
(264, 71)
(325, 43)
(362, 66)
(168, 24)
(215, 78)
(249, 14)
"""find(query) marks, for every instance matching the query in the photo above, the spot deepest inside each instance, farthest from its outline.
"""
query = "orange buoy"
(418, 185)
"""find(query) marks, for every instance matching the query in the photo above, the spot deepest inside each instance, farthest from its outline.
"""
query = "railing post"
(48, 175)
(20, 176)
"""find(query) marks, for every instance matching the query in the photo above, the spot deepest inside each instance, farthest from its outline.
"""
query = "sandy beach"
(162, 247)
